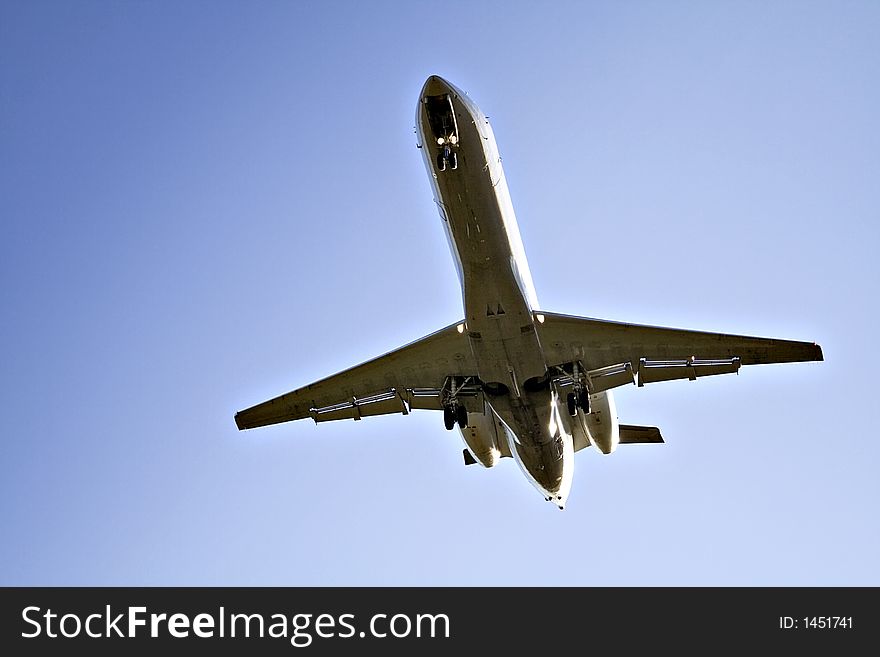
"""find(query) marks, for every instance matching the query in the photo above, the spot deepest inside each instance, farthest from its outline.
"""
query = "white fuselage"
(498, 294)
(517, 381)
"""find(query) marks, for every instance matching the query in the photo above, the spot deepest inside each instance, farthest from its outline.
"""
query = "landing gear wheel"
(461, 416)
(441, 162)
(584, 401)
(448, 418)
(572, 404)
(453, 160)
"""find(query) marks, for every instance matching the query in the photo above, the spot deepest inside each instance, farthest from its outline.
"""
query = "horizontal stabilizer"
(631, 434)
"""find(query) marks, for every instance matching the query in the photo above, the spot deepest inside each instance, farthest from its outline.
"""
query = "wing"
(409, 377)
(615, 353)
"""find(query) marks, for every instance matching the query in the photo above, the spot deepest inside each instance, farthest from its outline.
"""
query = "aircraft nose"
(436, 86)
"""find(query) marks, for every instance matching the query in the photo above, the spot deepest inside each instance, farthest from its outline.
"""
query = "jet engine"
(600, 425)
(481, 435)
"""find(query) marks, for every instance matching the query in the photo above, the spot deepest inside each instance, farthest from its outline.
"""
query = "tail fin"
(631, 434)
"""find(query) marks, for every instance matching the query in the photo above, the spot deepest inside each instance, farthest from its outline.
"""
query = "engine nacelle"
(601, 424)
(481, 437)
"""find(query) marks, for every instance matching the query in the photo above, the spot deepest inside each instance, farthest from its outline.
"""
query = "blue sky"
(207, 204)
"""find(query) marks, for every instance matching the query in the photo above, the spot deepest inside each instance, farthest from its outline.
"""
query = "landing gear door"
(441, 118)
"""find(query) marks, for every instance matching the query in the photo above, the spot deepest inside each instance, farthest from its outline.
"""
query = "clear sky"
(206, 204)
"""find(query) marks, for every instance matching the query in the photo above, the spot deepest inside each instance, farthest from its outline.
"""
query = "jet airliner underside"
(518, 381)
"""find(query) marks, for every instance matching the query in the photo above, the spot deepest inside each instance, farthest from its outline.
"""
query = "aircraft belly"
(498, 297)
(536, 440)
(499, 320)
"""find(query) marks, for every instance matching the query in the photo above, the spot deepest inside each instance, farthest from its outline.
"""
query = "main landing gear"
(451, 397)
(580, 398)
(453, 414)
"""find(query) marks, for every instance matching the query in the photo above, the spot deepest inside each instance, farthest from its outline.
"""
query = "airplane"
(518, 381)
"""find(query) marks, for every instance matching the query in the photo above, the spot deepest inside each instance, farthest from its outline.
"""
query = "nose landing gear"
(444, 127)
(447, 157)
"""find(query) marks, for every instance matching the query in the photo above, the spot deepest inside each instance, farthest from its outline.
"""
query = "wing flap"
(382, 404)
(612, 376)
(651, 371)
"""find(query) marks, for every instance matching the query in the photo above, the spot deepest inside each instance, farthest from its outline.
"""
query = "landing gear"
(580, 399)
(452, 395)
(579, 393)
(461, 416)
(449, 418)
(445, 157)
(453, 415)
(584, 401)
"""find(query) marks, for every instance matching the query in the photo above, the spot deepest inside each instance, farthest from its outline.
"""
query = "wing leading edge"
(410, 376)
